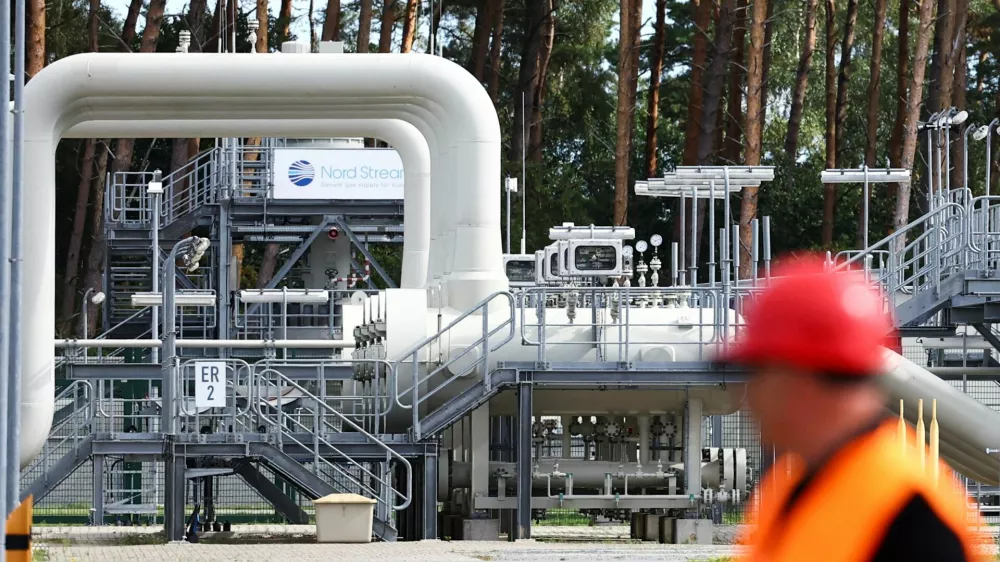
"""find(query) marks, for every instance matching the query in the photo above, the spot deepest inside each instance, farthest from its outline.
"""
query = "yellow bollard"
(19, 533)
(902, 427)
(934, 437)
(921, 442)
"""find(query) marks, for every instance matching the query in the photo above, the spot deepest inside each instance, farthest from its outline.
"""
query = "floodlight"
(570, 231)
(981, 133)
(958, 118)
(874, 175)
(655, 240)
(181, 298)
(195, 253)
(299, 296)
(98, 298)
(641, 246)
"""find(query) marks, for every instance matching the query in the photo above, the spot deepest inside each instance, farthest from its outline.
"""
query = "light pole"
(193, 249)
(866, 176)
(510, 186)
(97, 299)
(155, 189)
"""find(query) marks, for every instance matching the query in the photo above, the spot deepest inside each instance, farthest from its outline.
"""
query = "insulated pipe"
(241, 344)
(412, 147)
(203, 85)
(967, 426)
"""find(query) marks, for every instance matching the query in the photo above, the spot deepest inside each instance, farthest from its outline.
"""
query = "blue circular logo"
(301, 173)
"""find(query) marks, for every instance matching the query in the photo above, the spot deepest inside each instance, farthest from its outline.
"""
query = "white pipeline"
(214, 344)
(140, 87)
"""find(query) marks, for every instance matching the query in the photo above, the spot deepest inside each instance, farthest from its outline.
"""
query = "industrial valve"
(613, 430)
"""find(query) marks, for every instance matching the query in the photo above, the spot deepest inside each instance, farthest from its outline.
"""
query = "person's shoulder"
(920, 531)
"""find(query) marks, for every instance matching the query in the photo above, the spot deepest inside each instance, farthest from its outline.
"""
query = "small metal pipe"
(711, 237)
(754, 248)
(767, 247)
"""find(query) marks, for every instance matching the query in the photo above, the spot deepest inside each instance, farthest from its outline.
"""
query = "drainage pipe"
(191, 86)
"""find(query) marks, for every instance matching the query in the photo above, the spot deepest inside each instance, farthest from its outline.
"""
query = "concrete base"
(652, 530)
(666, 530)
(693, 531)
(480, 529)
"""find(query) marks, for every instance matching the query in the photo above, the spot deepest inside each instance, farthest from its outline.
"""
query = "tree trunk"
(34, 56)
(655, 72)
(766, 70)
(496, 42)
(902, 84)
(627, 41)
(481, 39)
(699, 56)
(527, 79)
(437, 14)
(544, 55)
(409, 25)
(313, 38)
(939, 93)
(916, 89)
(960, 85)
(267, 265)
(364, 26)
(878, 33)
(95, 257)
(386, 25)
(756, 95)
(129, 27)
(714, 79)
(260, 45)
(284, 22)
(331, 24)
(733, 144)
(801, 82)
(830, 190)
(846, 54)
(71, 277)
(212, 45)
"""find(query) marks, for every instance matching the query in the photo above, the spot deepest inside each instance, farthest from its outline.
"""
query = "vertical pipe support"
(692, 446)
(524, 470)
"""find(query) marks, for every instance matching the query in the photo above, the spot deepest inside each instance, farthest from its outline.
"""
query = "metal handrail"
(71, 391)
(413, 352)
(391, 454)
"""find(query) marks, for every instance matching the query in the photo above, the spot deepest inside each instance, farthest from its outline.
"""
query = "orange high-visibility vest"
(851, 503)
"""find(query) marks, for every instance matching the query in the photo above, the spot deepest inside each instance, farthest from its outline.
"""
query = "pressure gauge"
(627, 251)
(641, 246)
(656, 240)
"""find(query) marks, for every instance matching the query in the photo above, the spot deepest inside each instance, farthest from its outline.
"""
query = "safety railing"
(442, 362)
(939, 246)
(185, 189)
(66, 433)
(616, 324)
(230, 418)
(376, 486)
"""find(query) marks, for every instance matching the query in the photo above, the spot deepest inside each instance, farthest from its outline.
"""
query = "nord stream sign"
(337, 173)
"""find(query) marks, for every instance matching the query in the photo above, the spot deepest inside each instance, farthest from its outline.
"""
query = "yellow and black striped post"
(18, 543)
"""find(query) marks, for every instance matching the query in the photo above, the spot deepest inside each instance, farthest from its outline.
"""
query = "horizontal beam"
(213, 344)
(150, 371)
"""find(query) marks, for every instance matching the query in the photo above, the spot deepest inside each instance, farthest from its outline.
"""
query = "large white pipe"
(411, 145)
(192, 86)
(426, 121)
(968, 427)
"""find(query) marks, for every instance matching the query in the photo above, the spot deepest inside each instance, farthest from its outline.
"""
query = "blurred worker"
(845, 490)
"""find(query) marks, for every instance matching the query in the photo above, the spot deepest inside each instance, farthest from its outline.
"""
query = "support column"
(567, 439)
(174, 496)
(97, 517)
(524, 460)
(643, 423)
(478, 446)
(224, 258)
(716, 431)
(430, 497)
(692, 447)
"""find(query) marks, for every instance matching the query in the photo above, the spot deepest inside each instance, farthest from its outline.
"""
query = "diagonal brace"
(988, 335)
(293, 259)
(340, 222)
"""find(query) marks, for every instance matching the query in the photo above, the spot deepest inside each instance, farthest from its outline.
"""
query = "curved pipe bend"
(199, 81)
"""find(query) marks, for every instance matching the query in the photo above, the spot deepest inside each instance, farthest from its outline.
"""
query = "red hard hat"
(815, 319)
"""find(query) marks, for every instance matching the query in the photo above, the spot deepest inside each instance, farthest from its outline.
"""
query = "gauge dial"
(641, 246)
(656, 240)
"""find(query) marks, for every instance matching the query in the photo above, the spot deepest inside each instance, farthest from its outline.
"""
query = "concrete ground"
(262, 543)
(281, 543)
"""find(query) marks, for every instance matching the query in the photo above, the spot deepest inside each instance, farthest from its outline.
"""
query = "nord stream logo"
(301, 173)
